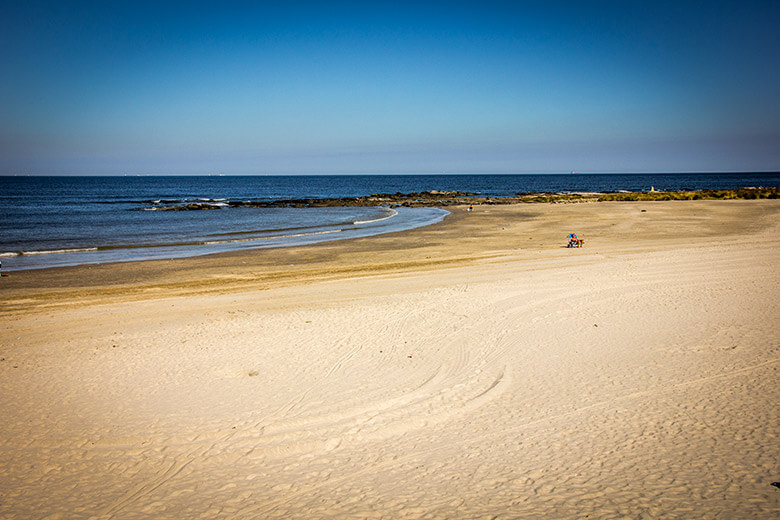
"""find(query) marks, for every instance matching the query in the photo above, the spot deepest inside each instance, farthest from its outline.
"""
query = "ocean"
(60, 221)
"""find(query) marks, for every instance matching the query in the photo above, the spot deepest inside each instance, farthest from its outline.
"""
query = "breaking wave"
(49, 252)
(392, 214)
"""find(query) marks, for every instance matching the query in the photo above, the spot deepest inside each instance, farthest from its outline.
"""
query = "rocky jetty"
(415, 199)
(192, 206)
(436, 198)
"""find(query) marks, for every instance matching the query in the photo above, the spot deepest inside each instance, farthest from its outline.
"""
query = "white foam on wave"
(392, 214)
(49, 252)
(206, 204)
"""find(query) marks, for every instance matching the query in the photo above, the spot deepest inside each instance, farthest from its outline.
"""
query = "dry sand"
(471, 369)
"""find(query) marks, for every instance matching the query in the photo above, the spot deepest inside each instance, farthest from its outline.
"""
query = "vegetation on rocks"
(742, 193)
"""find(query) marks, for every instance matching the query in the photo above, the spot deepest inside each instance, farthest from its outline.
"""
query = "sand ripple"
(640, 385)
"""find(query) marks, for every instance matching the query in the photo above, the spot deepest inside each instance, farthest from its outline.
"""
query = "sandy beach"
(475, 368)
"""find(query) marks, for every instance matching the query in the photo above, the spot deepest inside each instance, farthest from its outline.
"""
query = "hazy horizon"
(442, 174)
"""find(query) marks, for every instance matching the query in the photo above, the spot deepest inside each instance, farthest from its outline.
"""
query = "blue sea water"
(57, 221)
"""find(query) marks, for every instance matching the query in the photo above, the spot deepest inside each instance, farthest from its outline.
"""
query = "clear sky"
(374, 87)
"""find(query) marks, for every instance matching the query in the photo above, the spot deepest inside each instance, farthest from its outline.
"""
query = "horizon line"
(220, 174)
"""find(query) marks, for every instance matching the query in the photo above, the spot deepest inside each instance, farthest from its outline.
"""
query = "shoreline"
(162, 244)
(99, 253)
(481, 235)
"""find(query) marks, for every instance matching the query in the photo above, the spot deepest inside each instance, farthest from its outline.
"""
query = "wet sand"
(475, 368)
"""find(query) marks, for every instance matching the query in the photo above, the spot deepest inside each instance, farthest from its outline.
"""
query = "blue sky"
(373, 87)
